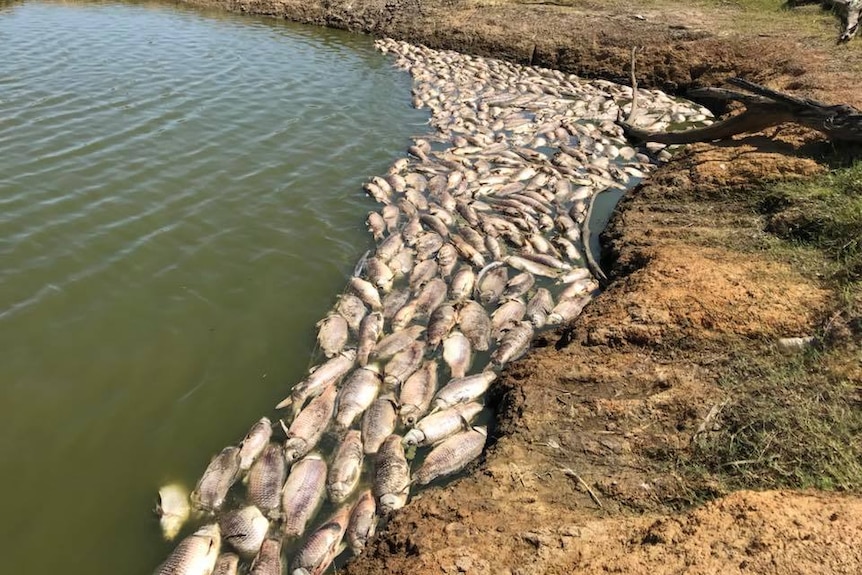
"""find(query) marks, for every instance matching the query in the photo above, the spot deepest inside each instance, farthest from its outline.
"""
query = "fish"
(332, 334)
(346, 468)
(195, 555)
(322, 546)
(395, 300)
(268, 560)
(457, 353)
(428, 244)
(392, 475)
(510, 312)
(173, 509)
(523, 264)
(369, 332)
(568, 309)
(357, 394)
(435, 224)
(430, 297)
(227, 564)
(475, 324)
(467, 251)
(366, 292)
(397, 341)
(447, 258)
(351, 309)
(462, 284)
(221, 473)
(363, 523)
(402, 263)
(546, 260)
(303, 494)
(254, 442)
(441, 322)
(308, 426)
(490, 285)
(379, 274)
(403, 317)
(390, 246)
(376, 225)
(404, 363)
(413, 228)
(391, 216)
(514, 343)
(441, 424)
(321, 377)
(575, 275)
(518, 285)
(244, 529)
(377, 193)
(452, 455)
(539, 306)
(378, 423)
(463, 389)
(266, 478)
(424, 271)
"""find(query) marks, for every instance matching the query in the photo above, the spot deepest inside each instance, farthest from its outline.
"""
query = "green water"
(180, 202)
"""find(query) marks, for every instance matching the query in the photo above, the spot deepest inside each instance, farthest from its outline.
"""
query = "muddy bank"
(584, 471)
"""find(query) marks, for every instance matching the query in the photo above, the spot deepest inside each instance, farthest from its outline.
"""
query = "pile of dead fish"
(479, 245)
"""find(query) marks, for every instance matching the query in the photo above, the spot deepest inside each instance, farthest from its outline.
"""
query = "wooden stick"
(569, 473)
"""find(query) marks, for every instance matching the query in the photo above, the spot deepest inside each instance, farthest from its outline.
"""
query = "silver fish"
(389, 247)
(369, 332)
(366, 292)
(457, 353)
(490, 286)
(346, 468)
(363, 522)
(377, 193)
(227, 564)
(357, 394)
(378, 423)
(510, 312)
(404, 363)
(462, 283)
(568, 309)
(395, 342)
(320, 378)
(464, 389)
(447, 258)
(268, 561)
(452, 455)
(195, 555)
(518, 285)
(332, 334)
(392, 475)
(514, 343)
(579, 288)
(395, 300)
(254, 442)
(467, 251)
(221, 473)
(266, 478)
(417, 392)
(308, 426)
(423, 273)
(539, 306)
(376, 225)
(303, 494)
(401, 263)
(576, 274)
(475, 324)
(379, 274)
(441, 424)
(351, 309)
(244, 529)
(412, 229)
(430, 297)
(391, 216)
(434, 224)
(442, 320)
(526, 265)
(317, 553)
(173, 509)
(404, 317)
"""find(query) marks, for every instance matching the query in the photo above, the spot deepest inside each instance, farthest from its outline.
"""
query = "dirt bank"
(617, 447)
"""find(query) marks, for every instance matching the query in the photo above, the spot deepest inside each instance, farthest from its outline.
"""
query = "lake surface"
(180, 201)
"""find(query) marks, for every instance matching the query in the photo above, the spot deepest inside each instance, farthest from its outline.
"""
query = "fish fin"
(283, 425)
(285, 402)
(464, 423)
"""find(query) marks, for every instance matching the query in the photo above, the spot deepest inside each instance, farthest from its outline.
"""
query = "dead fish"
(392, 475)
(424, 271)
(404, 317)
(173, 509)
(332, 334)
(494, 247)
(378, 423)
(227, 564)
(428, 244)
(510, 312)
(308, 426)
(452, 455)
(474, 238)
(363, 523)
(547, 260)
(404, 363)
(379, 274)
(220, 475)
(398, 183)
(435, 224)
(567, 310)
(391, 216)
(463, 389)
(441, 322)
(579, 288)
(195, 555)
(527, 265)
(395, 342)
(320, 378)
(376, 225)
(539, 306)
(514, 344)
(369, 332)
(475, 324)
(441, 424)
(266, 478)
(351, 309)
(389, 247)
(254, 442)
(346, 468)
(430, 297)
(412, 230)
(462, 284)
(244, 529)
(467, 251)
(417, 392)
(377, 193)
(575, 275)
(268, 560)
(303, 494)
(366, 292)
(447, 258)
(457, 353)
(320, 549)
(394, 301)
(357, 394)
(518, 285)
(490, 286)
(569, 248)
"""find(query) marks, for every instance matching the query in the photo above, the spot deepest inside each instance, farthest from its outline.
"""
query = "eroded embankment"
(585, 474)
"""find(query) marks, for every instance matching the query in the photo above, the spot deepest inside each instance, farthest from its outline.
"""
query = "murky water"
(179, 202)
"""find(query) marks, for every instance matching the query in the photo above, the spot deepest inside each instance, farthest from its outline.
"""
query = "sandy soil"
(577, 478)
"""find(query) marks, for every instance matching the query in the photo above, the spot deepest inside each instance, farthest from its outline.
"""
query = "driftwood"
(764, 108)
(850, 11)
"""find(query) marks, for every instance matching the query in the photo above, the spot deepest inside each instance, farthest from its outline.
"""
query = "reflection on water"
(179, 201)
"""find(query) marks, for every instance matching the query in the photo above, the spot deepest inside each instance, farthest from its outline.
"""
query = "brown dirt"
(581, 473)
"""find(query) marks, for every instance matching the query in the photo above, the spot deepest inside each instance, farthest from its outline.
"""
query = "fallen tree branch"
(764, 109)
